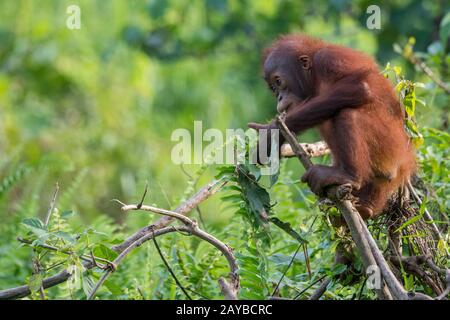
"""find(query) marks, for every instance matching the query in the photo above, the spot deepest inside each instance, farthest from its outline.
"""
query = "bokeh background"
(94, 109)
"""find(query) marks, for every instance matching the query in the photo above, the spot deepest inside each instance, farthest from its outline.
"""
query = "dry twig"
(230, 289)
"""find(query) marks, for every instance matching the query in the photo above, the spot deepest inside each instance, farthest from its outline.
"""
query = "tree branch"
(320, 290)
(316, 149)
(230, 289)
(393, 284)
(23, 291)
(412, 265)
(203, 194)
(425, 69)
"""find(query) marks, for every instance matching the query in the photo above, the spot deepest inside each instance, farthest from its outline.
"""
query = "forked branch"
(229, 289)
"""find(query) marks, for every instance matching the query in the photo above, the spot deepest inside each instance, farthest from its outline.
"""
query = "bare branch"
(309, 286)
(23, 291)
(190, 226)
(68, 252)
(228, 290)
(143, 196)
(412, 265)
(164, 212)
(203, 194)
(425, 69)
(52, 205)
(320, 290)
(316, 149)
(125, 252)
(299, 152)
(394, 285)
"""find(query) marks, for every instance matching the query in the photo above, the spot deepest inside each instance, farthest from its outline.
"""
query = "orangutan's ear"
(305, 61)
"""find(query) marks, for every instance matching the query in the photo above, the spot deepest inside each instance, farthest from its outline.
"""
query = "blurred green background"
(94, 108)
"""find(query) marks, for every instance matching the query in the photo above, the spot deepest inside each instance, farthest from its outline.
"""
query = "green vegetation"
(94, 109)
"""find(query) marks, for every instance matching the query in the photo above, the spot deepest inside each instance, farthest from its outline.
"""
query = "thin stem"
(52, 205)
(309, 286)
(285, 271)
(170, 269)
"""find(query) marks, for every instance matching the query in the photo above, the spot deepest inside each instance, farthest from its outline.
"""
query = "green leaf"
(102, 251)
(409, 222)
(338, 268)
(410, 103)
(231, 188)
(442, 247)
(225, 171)
(409, 282)
(35, 225)
(88, 284)
(444, 32)
(65, 236)
(66, 214)
(232, 198)
(93, 231)
(283, 260)
(116, 241)
(113, 287)
(256, 198)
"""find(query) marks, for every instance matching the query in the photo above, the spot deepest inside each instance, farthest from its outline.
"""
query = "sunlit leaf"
(102, 251)
(35, 225)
